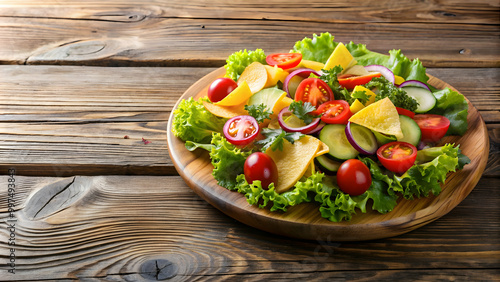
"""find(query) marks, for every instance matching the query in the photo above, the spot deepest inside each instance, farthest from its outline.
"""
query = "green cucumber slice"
(425, 98)
(411, 131)
(333, 135)
(327, 165)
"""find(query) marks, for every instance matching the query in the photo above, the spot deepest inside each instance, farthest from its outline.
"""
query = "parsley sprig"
(303, 111)
(275, 138)
(259, 112)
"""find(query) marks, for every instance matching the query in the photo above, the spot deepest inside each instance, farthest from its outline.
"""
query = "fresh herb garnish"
(275, 138)
(303, 111)
(397, 95)
(259, 112)
(360, 95)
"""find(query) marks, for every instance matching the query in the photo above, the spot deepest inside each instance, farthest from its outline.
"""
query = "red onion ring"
(303, 129)
(355, 145)
(300, 72)
(387, 73)
(415, 83)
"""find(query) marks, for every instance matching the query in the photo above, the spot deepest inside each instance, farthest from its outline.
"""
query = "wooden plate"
(304, 221)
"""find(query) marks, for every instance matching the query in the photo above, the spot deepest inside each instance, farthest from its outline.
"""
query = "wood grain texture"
(162, 33)
(118, 223)
(304, 221)
(72, 120)
(481, 12)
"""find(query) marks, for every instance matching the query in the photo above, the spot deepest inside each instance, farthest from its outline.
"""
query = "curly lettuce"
(228, 161)
(238, 61)
(318, 49)
(398, 63)
(192, 122)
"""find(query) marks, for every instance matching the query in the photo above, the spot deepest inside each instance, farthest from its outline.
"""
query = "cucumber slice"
(425, 98)
(411, 131)
(327, 165)
(333, 135)
(361, 138)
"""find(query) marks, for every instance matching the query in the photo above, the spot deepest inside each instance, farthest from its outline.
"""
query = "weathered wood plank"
(115, 224)
(167, 41)
(63, 121)
(480, 12)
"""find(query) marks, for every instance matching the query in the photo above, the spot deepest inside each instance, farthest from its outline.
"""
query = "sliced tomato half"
(241, 130)
(397, 156)
(350, 81)
(433, 127)
(314, 91)
(284, 60)
(335, 112)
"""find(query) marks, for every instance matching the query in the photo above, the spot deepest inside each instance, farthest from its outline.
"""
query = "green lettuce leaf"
(238, 61)
(452, 105)
(258, 196)
(192, 122)
(398, 63)
(318, 49)
(227, 160)
(429, 173)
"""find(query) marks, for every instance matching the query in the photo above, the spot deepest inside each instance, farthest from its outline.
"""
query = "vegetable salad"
(335, 124)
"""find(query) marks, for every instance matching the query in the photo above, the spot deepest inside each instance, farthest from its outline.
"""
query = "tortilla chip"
(294, 160)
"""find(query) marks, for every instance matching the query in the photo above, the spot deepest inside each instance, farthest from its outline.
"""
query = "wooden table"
(84, 84)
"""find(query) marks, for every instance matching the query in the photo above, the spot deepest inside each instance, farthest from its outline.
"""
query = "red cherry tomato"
(314, 91)
(336, 111)
(433, 127)
(353, 177)
(350, 81)
(241, 130)
(405, 112)
(397, 156)
(284, 60)
(260, 166)
(220, 88)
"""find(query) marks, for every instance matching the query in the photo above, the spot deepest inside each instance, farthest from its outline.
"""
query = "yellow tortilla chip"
(293, 161)
(381, 116)
(323, 149)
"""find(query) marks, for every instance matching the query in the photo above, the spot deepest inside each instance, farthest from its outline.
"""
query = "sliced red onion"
(355, 145)
(415, 83)
(387, 73)
(303, 129)
(300, 72)
(317, 129)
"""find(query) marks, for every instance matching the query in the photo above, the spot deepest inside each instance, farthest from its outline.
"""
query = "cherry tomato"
(220, 88)
(350, 81)
(336, 111)
(241, 130)
(353, 177)
(284, 60)
(397, 156)
(260, 166)
(405, 112)
(314, 91)
(433, 127)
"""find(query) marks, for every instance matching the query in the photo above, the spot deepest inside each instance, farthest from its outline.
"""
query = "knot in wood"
(158, 269)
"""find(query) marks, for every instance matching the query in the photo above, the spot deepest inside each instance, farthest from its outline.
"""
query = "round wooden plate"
(304, 221)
